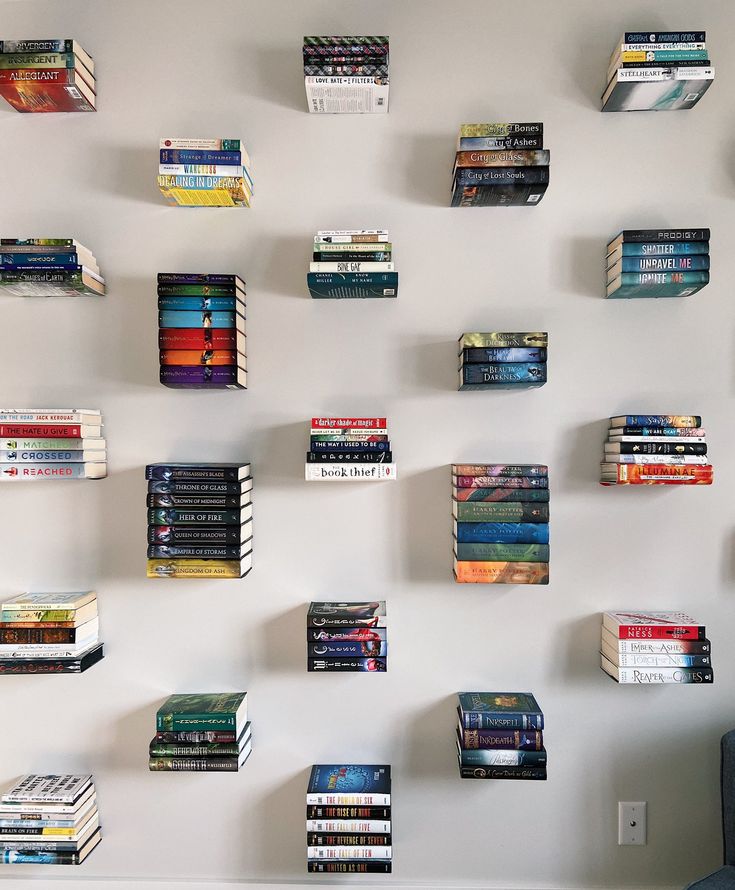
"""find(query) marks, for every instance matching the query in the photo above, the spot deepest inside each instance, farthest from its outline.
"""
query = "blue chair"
(724, 878)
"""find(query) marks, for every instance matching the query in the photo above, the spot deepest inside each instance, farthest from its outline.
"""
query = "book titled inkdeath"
(49, 820)
(51, 443)
(46, 76)
(349, 449)
(201, 732)
(347, 637)
(200, 520)
(655, 647)
(348, 819)
(657, 263)
(352, 264)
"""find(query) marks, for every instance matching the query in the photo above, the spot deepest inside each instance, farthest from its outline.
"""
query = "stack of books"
(347, 637)
(48, 267)
(201, 732)
(499, 736)
(656, 449)
(346, 75)
(345, 449)
(201, 331)
(348, 819)
(500, 165)
(501, 523)
(657, 263)
(655, 647)
(502, 360)
(658, 71)
(49, 633)
(51, 443)
(49, 820)
(352, 264)
(200, 521)
(205, 173)
(47, 75)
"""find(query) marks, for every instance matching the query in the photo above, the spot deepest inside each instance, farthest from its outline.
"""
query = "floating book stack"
(49, 820)
(49, 633)
(502, 360)
(499, 736)
(347, 637)
(500, 165)
(345, 449)
(657, 263)
(352, 264)
(51, 443)
(48, 267)
(501, 523)
(199, 520)
(346, 75)
(47, 75)
(656, 449)
(201, 732)
(348, 819)
(205, 173)
(201, 331)
(655, 647)
(658, 71)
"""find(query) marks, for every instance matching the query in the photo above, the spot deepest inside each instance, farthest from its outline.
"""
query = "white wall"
(233, 68)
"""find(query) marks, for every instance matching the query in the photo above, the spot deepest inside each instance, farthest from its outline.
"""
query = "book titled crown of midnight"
(350, 637)
(49, 820)
(201, 732)
(194, 354)
(346, 75)
(499, 735)
(657, 263)
(51, 443)
(500, 165)
(49, 633)
(348, 819)
(658, 71)
(48, 267)
(494, 360)
(200, 520)
(656, 449)
(205, 172)
(655, 647)
(349, 449)
(47, 75)
(500, 517)
(352, 264)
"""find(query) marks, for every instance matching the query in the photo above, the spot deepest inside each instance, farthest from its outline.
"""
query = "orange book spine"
(662, 474)
(471, 572)
(206, 357)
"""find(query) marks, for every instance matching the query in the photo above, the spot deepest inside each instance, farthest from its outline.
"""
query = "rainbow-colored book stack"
(205, 173)
(47, 75)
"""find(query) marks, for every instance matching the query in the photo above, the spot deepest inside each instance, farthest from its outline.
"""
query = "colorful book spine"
(478, 572)
(661, 474)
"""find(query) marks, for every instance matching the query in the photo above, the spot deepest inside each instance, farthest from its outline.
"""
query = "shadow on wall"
(121, 546)
(581, 267)
(426, 177)
(281, 454)
(281, 820)
(284, 639)
(285, 269)
(429, 743)
(429, 365)
(130, 345)
(427, 546)
(280, 77)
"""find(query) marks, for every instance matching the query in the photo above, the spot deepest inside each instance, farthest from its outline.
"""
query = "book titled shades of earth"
(352, 264)
(347, 637)
(349, 449)
(48, 267)
(49, 820)
(200, 520)
(51, 443)
(205, 348)
(499, 736)
(658, 71)
(196, 172)
(655, 647)
(348, 819)
(347, 75)
(47, 75)
(500, 165)
(657, 263)
(201, 732)
(656, 449)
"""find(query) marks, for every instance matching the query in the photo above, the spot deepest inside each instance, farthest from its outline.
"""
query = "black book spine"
(376, 256)
(321, 811)
(197, 535)
(192, 551)
(665, 36)
(503, 772)
(166, 472)
(638, 236)
(214, 502)
(350, 866)
(324, 839)
(674, 448)
(180, 487)
(365, 457)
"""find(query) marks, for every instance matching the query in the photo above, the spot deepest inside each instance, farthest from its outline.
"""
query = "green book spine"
(501, 511)
(38, 615)
(502, 552)
(186, 722)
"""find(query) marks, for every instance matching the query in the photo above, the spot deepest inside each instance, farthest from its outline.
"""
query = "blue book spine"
(55, 267)
(40, 259)
(366, 649)
(680, 263)
(654, 280)
(507, 372)
(490, 355)
(665, 248)
(511, 720)
(200, 304)
(177, 319)
(349, 446)
(193, 156)
(502, 757)
(502, 533)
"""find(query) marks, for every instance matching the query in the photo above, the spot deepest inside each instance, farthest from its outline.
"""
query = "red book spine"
(37, 75)
(661, 632)
(366, 423)
(197, 338)
(41, 430)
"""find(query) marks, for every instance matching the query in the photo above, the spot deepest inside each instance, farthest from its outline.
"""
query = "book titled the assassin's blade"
(500, 710)
(638, 625)
(345, 784)
(222, 472)
(53, 665)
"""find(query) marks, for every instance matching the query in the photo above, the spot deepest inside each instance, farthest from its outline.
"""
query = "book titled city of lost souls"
(349, 784)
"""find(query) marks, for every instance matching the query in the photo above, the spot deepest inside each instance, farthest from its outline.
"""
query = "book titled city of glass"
(47, 75)
(349, 449)
(346, 75)
(196, 172)
(657, 263)
(352, 264)
(48, 267)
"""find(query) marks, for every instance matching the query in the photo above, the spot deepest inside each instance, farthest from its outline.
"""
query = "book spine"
(360, 457)
(501, 552)
(200, 156)
(352, 423)
(507, 158)
(351, 267)
(685, 262)
(501, 354)
(33, 457)
(192, 473)
(43, 615)
(502, 757)
(170, 750)
(668, 660)
(201, 144)
(677, 235)
(502, 532)
(320, 839)
(658, 448)
(335, 866)
(338, 649)
(193, 568)
(349, 852)
(201, 169)
(505, 338)
(363, 825)
(350, 472)
(665, 675)
(499, 143)
(196, 737)
(669, 420)
(664, 37)
(512, 720)
(501, 512)
(168, 551)
(480, 572)
(193, 517)
(347, 445)
(195, 722)
(51, 258)
(661, 474)
(499, 482)
(38, 60)
(28, 472)
(40, 665)
(662, 647)
(39, 858)
(355, 665)
(468, 177)
(503, 772)
(195, 535)
(34, 636)
(206, 289)
(504, 129)
(670, 248)
(193, 764)
(355, 799)
(661, 632)
(513, 739)
(507, 372)
(55, 430)
(665, 55)
(676, 432)
(654, 279)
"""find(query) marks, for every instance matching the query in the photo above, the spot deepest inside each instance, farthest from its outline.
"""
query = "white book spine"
(349, 826)
(348, 852)
(357, 472)
(318, 798)
(355, 266)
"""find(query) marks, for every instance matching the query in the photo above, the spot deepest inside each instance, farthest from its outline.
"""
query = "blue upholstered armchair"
(724, 878)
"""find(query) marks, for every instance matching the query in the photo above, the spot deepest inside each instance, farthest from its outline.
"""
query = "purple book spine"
(195, 278)
(199, 376)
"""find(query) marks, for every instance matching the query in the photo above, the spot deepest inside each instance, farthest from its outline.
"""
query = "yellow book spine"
(471, 572)
(193, 568)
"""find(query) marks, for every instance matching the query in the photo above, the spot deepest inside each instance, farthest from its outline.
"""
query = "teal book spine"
(665, 248)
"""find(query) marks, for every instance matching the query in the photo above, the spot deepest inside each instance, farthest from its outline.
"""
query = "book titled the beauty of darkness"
(47, 75)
